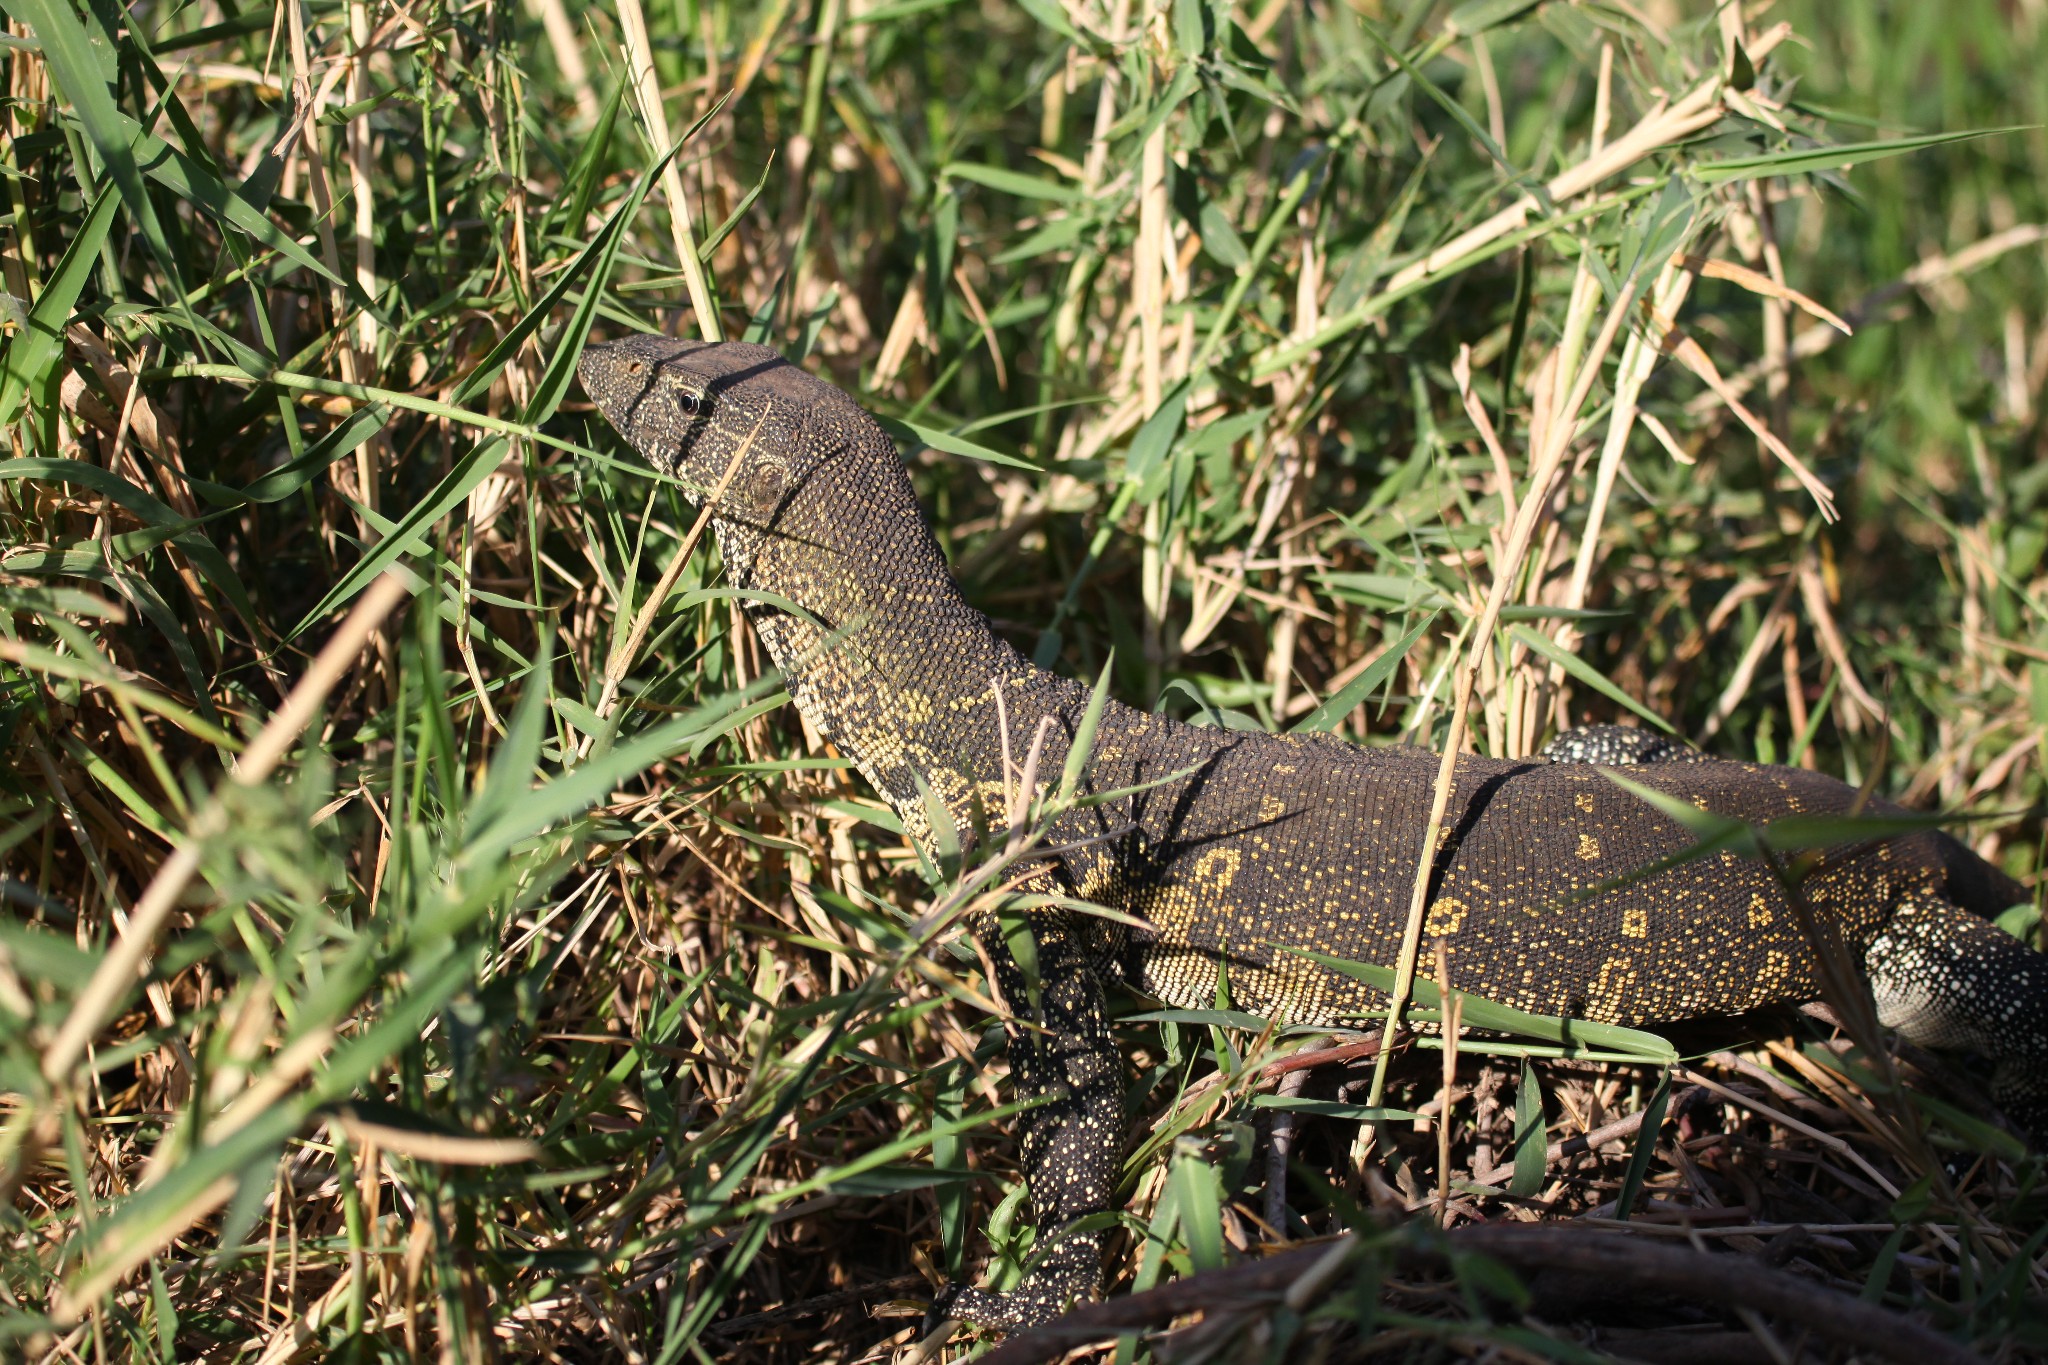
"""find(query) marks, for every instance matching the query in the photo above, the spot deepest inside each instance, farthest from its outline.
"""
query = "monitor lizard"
(1235, 842)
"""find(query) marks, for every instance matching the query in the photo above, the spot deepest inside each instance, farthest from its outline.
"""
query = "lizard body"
(1239, 842)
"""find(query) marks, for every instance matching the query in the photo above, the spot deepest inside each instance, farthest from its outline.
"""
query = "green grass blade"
(1645, 1147)
(1348, 698)
(1578, 668)
(1529, 1136)
(1806, 160)
(1012, 182)
(1481, 1013)
(76, 73)
(36, 345)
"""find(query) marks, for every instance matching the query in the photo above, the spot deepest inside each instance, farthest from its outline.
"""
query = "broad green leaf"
(1057, 235)
(1053, 15)
(1021, 945)
(915, 434)
(1013, 182)
(1220, 239)
(1400, 592)
(1201, 1206)
(1155, 438)
(879, 816)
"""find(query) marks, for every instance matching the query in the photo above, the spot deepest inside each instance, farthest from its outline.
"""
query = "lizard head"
(726, 420)
(797, 476)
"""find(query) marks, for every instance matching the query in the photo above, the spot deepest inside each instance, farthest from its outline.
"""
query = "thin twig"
(1547, 462)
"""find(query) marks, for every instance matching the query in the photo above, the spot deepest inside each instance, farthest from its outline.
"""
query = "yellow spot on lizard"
(1217, 869)
(1445, 917)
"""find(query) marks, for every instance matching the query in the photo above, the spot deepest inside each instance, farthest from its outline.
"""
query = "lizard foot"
(1070, 1274)
(1014, 1311)
(1617, 746)
(1947, 978)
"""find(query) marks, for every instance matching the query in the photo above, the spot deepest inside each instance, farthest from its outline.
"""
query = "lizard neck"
(882, 654)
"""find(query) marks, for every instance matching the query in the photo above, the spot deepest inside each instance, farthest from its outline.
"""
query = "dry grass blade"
(1545, 462)
(1694, 357)
(1757, 283)
(639, 52)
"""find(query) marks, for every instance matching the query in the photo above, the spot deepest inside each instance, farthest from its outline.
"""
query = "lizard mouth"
(619, 381)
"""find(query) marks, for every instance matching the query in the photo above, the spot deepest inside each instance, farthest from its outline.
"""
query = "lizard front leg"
(1618, 746)
(1060, 1045)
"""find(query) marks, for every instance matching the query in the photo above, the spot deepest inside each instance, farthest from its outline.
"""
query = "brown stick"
(1629, 1264)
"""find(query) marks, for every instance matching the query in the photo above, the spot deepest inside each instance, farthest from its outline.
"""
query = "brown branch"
(1297, 1061)
(1630, 1265)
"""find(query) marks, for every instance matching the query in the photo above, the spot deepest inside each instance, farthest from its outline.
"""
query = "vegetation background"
(517, 978)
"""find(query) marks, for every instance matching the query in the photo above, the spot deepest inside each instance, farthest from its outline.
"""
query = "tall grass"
(428, 933)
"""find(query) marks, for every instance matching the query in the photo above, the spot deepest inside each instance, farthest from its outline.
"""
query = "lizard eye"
(690, 403)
